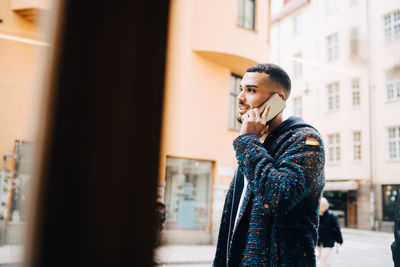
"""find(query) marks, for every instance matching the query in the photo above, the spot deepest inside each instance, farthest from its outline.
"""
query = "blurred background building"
(19, 102)
(344, 60)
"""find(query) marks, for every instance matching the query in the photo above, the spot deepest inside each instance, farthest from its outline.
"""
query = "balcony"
(217, 36)
(30, 9)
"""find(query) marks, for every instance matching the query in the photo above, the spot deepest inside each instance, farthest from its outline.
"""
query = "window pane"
(187, 194)
(390, 194)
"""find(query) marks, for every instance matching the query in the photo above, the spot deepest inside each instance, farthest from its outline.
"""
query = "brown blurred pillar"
(99, 172)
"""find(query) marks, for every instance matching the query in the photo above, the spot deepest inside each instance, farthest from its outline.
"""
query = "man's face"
(255, 88)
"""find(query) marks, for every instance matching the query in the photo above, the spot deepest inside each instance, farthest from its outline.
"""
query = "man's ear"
(282, 95)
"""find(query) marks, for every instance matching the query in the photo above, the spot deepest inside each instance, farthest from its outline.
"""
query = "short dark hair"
(276, 73)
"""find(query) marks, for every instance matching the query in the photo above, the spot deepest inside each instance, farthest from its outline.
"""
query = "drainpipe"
(370, 121)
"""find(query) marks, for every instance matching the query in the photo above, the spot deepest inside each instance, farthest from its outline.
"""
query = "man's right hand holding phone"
(255, 120)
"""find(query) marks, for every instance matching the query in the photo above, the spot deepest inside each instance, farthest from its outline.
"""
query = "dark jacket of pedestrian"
(329, 230)
(396, 243)
(278, 220)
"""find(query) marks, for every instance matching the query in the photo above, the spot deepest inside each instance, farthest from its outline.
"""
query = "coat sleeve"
(280, 185)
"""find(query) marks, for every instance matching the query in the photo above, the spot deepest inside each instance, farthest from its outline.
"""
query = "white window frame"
(333, 92)
(234, 91)
(356, 94)
(393, 134)
(298, 106)
(391, 26)
(393, 88)
(297, 65)
(332, 45)
(247, 14)
(296, 23)
(357, 152)
(354, 42)
(334, 153)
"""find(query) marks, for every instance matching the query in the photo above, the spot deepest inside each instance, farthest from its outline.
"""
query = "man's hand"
(254, 121)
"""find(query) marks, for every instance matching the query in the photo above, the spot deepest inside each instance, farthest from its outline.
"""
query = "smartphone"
(277, 105)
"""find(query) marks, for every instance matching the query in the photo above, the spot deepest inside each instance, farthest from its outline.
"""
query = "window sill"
(356, 107)
(396, 100)
(247, 29)
(332, 112)
(392, 161)
(233, 130)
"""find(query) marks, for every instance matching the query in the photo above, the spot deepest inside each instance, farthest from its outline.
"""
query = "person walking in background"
(329, 233)
(396, 243)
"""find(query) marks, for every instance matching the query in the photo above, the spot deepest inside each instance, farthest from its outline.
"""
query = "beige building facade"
(344, 58)
(210, 46)
(21, 49)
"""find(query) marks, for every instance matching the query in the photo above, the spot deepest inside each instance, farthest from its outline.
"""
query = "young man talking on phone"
(271, 211)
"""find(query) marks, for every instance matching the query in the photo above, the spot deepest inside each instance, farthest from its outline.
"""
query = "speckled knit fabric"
(278, 221)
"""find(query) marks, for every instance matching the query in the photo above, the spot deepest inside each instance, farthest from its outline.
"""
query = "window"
(234, 92)
(393, 84)
(333, 96)
(333, 148)
(332, 47)
(296, 24)
(357, 145)
(246, 14)
(354, 42)
(394, 142)
(355, 84)
(331, 6)
(390, 193)
(297, 104)
(297, 65)
(353, 2)
(187, 194)
(391, 24)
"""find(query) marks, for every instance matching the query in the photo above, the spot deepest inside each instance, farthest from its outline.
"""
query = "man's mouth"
(243, 109)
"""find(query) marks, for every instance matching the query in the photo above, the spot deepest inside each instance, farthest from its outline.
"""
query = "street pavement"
(361, 248)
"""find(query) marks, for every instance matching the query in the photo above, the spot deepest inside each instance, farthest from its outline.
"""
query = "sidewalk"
(361, 248)
(10, 255)
(174, 255)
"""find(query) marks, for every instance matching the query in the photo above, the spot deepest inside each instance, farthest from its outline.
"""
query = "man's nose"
(240, 96)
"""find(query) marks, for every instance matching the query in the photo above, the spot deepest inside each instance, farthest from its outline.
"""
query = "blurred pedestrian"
(396, 243)
(329, 233)
(271, 208)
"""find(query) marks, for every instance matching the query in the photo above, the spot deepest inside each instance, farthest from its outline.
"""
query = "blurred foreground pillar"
(99, 161)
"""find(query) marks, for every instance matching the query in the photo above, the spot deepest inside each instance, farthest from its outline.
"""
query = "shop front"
(342, 198)
(187, 200)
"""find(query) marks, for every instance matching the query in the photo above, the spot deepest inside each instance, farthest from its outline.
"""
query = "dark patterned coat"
(278, 220)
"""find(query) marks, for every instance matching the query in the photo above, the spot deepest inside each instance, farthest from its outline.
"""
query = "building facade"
(210, 46)
(20, 95)
(343, 57)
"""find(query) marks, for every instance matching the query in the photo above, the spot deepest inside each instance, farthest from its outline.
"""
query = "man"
(328, 232)
(270, 216)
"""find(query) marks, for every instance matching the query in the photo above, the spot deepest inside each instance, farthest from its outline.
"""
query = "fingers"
(264, 115)
(265, 130)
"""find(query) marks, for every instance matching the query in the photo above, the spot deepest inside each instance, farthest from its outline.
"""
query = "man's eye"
(251, 90)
